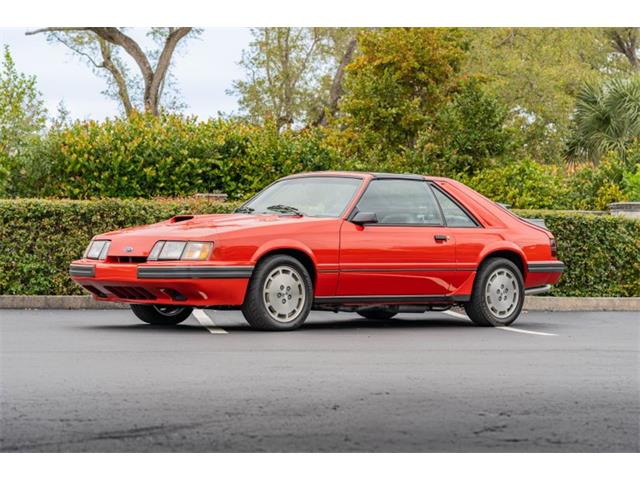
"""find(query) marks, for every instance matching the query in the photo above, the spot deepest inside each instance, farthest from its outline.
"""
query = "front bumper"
(173, 284)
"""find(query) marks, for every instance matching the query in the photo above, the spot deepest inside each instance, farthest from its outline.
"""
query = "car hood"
(138, 241)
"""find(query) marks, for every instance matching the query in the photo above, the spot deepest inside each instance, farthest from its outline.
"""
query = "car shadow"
(338, 324)
(145, 328)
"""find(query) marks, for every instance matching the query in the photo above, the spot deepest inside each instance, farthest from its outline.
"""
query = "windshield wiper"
(286, 209)
(244, 210)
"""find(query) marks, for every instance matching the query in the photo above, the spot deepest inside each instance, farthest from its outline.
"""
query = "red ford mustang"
(376, 244)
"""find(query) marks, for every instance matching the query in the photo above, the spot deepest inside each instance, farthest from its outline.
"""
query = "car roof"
(382, 175)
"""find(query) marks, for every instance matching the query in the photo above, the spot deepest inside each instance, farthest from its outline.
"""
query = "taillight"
(554, 247)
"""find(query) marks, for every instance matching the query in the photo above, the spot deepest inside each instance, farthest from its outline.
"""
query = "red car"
(373, 243)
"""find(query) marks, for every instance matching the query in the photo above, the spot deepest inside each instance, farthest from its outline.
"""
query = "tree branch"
(115, 36)
(336, 86)
(118, 77)
(164, 61)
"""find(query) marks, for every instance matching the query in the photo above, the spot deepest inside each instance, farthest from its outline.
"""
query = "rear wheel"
(378, 313)
(161, 314)
(498, 294)
(280, 294)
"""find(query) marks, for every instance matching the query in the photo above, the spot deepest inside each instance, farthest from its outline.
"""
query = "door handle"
(441, 238)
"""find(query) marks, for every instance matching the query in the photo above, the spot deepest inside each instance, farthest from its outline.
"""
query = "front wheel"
(161, 314)
(280, 294)
(498, 294)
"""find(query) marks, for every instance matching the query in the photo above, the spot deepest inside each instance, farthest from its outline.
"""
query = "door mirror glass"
(362, 218)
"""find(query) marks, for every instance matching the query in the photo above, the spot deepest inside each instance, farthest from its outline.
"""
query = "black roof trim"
(400, 176)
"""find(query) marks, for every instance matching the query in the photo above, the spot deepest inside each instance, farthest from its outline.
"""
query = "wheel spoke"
(283, 294)
(502, 293)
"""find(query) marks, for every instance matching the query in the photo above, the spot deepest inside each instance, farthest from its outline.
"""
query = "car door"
(408, 252)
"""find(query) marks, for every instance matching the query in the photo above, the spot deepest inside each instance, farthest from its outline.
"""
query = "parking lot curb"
(582, 304)
(531, 303)
(56, 302)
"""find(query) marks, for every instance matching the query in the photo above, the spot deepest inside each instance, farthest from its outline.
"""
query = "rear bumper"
(541, 275)
(193, 285)
(554, 266)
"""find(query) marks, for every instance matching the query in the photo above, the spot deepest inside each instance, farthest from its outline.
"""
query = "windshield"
(309, 196)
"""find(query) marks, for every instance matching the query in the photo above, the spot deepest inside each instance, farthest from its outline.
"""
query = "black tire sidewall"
(254, 309)
(149, 314)
(478, 297)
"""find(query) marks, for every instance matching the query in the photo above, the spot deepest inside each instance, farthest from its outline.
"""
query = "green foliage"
(396, 83)
(601, 253)
(607, 118)
(288, 73)
(537, 73)
(22, 116)
(40, 237)
(465, 135)
(170, 155)
(525, 184)
(631, 184)
(593, 187)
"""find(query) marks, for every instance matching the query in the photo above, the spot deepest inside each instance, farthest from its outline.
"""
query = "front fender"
(283, 244)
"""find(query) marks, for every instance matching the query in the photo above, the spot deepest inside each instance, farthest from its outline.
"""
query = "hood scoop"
(180, 218)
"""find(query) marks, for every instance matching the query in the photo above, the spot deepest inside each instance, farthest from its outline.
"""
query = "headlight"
(173, 250)
(97, 249)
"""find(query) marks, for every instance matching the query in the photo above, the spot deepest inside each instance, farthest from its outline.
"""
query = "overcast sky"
(204, 70)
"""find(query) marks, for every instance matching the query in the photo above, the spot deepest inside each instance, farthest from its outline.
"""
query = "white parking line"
(456, 315)
(206, 322)
(508, 329)
(530, 332)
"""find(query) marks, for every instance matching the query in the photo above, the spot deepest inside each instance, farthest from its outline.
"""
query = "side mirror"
(362, 218)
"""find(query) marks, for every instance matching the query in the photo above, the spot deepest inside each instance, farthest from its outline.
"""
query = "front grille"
(126, 259)
(131, 293)
(95, 291)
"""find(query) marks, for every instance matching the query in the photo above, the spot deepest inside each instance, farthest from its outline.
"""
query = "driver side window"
(400, 202)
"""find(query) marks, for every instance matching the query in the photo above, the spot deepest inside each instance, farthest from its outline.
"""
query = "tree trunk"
(153, 80)
(625, 41)
(336, 86)
(123, 91)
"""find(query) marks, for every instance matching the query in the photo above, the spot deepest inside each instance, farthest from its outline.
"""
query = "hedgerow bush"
(176, 156)
(38, 239)
(601, 253)
(171, 155)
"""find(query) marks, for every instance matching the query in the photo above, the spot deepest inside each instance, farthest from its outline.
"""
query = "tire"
(498, 294)
(161, 314)
(378, 313)
(279, 295)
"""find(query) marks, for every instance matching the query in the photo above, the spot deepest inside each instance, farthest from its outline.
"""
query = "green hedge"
(38, 239)
(601, 253)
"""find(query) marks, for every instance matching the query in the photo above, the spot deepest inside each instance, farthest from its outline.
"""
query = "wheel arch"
(510, 254)
(299, 254)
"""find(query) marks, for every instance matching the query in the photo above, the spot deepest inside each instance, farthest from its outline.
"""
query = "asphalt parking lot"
(102, 381)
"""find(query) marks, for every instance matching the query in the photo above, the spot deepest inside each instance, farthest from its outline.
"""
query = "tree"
(606, 118)
(465, 136)
(22, 114)
(102, 48)
(626, 42)
(397, 81)
(293, 75)
(537, 72)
